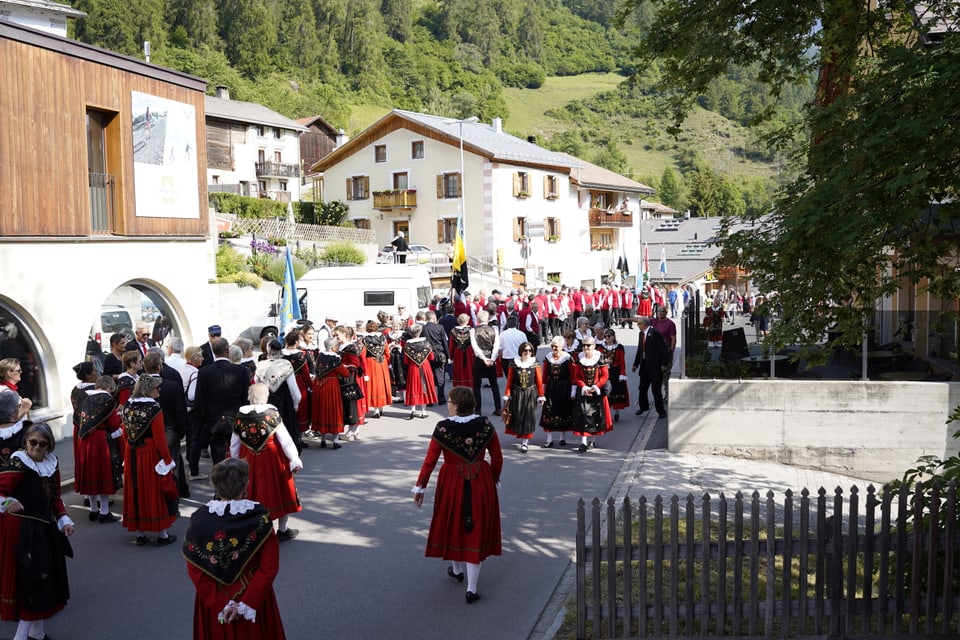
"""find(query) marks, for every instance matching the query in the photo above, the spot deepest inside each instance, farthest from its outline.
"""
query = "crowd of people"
(144, 423)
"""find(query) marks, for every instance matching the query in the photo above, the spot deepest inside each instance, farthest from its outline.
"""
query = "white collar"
(84, 385)
(289, 352)
(127, 374)
(139, 399)
(13, 429)
(420, 339)
(517, 362)
(462, 419)
(611, 347)
(591, 361)
(563, 357)
(93, 392)
(255, 408)
(45, 468)
(236, 507)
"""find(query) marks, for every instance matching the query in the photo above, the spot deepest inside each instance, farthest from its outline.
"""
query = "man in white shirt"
(173, 352)
(485, 342)
(510, 340)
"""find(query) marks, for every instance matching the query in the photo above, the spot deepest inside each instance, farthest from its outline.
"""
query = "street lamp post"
(463, 191)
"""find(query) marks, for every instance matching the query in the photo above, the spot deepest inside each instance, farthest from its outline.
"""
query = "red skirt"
(271, 482)
(144, 507)
(378, 387)
(94, 470)
(420, 386)
(462, 367)
(327, 405)
(448, 538)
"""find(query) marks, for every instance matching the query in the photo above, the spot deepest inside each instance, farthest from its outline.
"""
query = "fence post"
(834, 568)
(581, 571)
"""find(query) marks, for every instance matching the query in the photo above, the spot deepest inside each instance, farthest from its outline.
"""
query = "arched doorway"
(19, 340)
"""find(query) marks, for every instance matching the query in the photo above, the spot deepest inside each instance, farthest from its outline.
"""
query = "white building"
(252, 150)
(49, 17)
(527, 209)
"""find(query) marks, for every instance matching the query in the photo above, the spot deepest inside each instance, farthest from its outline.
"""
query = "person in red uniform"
(33, 567)
(98, 423)
(146, 459)
(465, 528)
(591, 409)
(327, 418)
(232, 559)
(377, 366)
(523, 395)
(418, 355)
(351, 351)
(461, 353)
(132, 366)
(614, 357)
(260, 438)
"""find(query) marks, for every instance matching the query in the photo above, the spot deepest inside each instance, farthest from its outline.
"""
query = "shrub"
(277, 242)
(229, 261)
(258, 263)
(247, 207)
(276, 268)
(343, 252)
(243, 279)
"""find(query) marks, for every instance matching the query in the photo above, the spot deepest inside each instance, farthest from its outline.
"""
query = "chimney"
(222, 92)
(498, 125)
(532, 139)
(342, 138)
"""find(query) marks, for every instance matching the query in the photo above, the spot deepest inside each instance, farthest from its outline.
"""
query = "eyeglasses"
(43, 444)
(527, 351)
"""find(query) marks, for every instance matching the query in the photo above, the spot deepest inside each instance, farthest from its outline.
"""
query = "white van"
(358, 293)
(112, 319)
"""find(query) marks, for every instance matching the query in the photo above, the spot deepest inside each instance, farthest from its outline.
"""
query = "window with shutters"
(521, 184)
(380, 153)
(401, 180)
(416, 149)
(358, 188)
(551, 187)
(519, 228)
(551, 229)
(448, 185)
(446, 230)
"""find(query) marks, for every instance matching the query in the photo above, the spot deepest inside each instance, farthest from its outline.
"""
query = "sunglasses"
(43, 444)
(527, 351)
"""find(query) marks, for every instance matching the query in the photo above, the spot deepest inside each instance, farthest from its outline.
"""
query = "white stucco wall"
(871, 430)
(58, 288)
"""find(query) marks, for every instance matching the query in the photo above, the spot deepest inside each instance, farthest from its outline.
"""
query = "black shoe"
(582, 448)
(616, 417)
(410, 417)
(662, 415)
(107, 517)
(204, 454)
(456, 576)
(141, 540)
(375, 415)
(547, 445)
(472, 597)
(287, 534)
(496, 412)
(336, 445)
(170, 539)
(423, 415)
(323, 444)
(93, 515)
(640, 412)
(563, 443)
(86, 502)
(523, 448)
(592, 445)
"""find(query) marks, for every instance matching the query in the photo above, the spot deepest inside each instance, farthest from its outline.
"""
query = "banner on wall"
(164, 157)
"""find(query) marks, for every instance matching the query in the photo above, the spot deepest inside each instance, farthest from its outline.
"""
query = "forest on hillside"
(444, 57)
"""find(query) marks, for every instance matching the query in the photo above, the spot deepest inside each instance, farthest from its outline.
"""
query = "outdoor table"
(761, 364)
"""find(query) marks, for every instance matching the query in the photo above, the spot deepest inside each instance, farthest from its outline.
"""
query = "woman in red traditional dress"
(301, 369)
(461, 352)
(232, 559)
(259, 437)
(421, 390)
(99, 422)
(146, 460)
(523, 395)
(591, 409)
(465, 528)
(33, 566)
(614, 357)
(87, 376)
(327, 418)
(351, 352)
(132, 365)
(377, 366)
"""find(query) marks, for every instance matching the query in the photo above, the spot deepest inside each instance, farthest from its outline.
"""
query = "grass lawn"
(527, 106)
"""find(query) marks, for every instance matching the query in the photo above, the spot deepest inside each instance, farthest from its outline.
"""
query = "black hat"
(83, 370)
(213, 330)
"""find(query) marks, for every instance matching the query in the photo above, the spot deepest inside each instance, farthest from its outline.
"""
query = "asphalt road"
(357, 569)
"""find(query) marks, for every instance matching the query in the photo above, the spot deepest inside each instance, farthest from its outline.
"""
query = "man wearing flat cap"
(213, 332)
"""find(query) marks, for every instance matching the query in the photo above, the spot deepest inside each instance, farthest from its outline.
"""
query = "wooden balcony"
(277, 170)
(395, 199)
(609, 218)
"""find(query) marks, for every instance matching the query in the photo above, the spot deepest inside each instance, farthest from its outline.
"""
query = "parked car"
(418, 254)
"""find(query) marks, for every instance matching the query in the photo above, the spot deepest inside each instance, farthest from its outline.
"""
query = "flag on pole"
(646, 263)
(460, 279)
(623, 264)
(663, 261)
(289, 305)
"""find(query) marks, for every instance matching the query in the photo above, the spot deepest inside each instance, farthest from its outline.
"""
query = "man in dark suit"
(221, 391)
(436, 336)
(213, 332)
(652, 360)
(142, 341)
(173, 403)
(112, 362)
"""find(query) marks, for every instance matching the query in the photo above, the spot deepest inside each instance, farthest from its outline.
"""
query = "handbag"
(505, 414)
(168, 486)
(350, 390)
(222, 428)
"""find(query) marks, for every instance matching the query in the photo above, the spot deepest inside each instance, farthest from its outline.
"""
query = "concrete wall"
(871, 430)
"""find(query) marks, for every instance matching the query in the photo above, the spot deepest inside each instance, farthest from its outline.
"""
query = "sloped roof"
(248, 113)
(593, 176)
(323, 124)
(478, 138)
(688, 243)
(45, 5)
(936, 18)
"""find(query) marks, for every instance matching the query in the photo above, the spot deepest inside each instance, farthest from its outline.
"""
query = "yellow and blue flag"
(289, 305)
(460, 279)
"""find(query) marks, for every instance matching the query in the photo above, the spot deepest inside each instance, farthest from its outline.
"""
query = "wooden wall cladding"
(44, 176)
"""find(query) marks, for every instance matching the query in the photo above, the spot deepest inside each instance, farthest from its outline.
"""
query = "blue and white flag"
(289, 305)
(663, 260)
